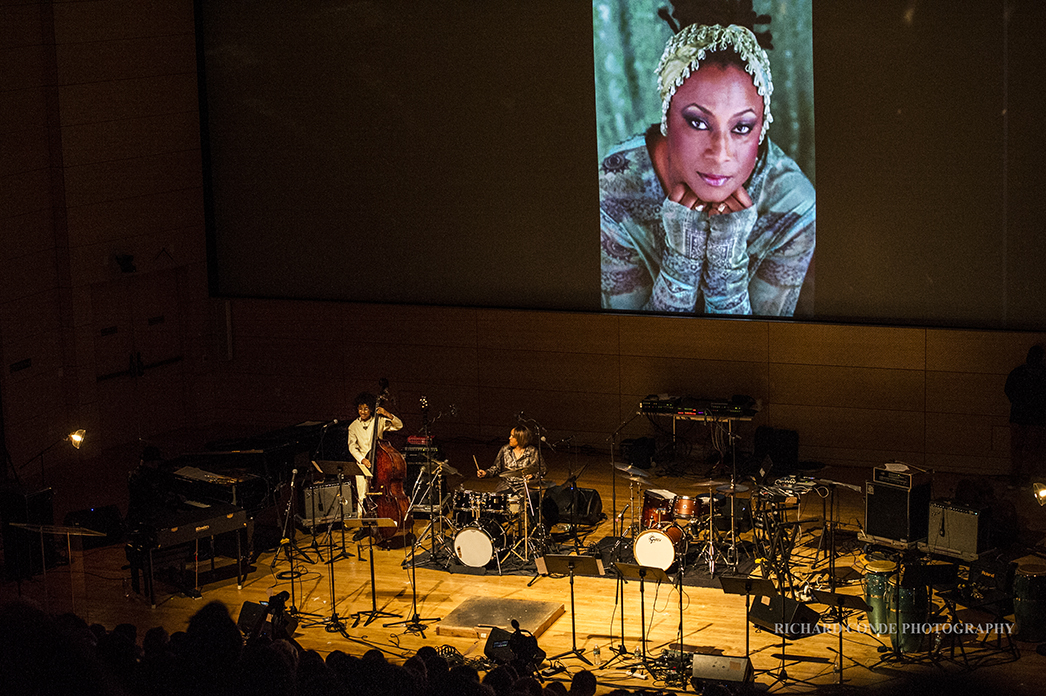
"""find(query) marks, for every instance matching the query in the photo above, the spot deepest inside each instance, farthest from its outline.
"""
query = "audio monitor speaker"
(897, 513)
(722, 669)
(783, 616)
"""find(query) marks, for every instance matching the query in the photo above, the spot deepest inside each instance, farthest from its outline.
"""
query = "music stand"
(638, 572)
(559, 565)
(834, 599)
(373, 613)
(76, 562)
(749, 587)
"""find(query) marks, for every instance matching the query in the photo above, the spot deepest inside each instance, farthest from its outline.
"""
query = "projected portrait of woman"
(703, 213)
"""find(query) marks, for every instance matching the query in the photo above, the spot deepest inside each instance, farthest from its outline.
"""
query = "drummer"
(518, 461)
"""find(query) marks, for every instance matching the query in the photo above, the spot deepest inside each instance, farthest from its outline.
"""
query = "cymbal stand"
(434, 529)
(613, 471)
(709, 553)
(524, 520)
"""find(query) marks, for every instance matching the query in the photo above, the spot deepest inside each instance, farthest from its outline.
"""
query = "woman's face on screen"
(714, 122)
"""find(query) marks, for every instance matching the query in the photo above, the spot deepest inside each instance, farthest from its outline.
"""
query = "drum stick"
(477, 463)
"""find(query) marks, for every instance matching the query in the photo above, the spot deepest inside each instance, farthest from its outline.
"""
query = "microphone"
(519, 416)
(550, 445)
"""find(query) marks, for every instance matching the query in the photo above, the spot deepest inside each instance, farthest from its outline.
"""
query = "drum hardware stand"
(588, 565)
(641, 572)
(378, 522)
(434, 529)
(782, 675)
(838, 601)
(572, 480)
(613, 470)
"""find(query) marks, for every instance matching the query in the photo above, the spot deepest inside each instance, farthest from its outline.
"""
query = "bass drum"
(477, 544)
(657, 548)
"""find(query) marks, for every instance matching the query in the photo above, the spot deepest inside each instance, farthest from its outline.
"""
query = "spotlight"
(1039, 491)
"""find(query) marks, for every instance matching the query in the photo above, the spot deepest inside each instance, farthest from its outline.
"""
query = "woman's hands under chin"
(735, 202)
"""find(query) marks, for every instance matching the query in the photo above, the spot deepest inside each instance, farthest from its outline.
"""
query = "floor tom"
(658, 548)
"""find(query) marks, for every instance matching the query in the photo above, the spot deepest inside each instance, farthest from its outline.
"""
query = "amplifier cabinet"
(956, 531)
(897, 513)
(319, 504)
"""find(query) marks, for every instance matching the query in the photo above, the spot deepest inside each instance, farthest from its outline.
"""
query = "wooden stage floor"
(714, 622)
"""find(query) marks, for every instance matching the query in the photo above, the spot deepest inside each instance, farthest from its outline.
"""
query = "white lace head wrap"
(685, 51)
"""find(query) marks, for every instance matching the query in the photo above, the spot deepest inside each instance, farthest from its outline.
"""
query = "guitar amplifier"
(897, 515)
(956, 531)
(319, 505)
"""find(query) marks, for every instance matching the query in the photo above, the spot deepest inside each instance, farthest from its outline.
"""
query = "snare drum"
(686, 508)
(1029, 602)
(657, 548)
(657, 510)
(477, 544)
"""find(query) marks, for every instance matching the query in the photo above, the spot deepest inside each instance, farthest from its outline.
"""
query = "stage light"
(1039, 490)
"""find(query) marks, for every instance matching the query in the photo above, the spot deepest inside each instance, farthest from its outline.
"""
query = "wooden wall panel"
(28, 275)
(848, 387)
(28, 151)
(28, 316)
(101, 141)
(26, 192)
(700, 378)
(22, 108)
(127, 99)
(851, 346)
(852, 428)
(958, 434)
(27, 233)
(589, 417)
(992, 352)
(558, 372)
(967, 393)
(366, 363)
(82, 62)
(112, 20)
(136, 177)
(543, 331)
(687, 337)
(116, 219)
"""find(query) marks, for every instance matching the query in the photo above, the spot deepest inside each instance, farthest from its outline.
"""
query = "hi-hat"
(709, 483)
(635, 479)
(735, 488)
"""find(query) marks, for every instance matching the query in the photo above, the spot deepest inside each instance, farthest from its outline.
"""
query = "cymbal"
(518, 473)
(436, 467)
(635, 479)
(710, 483)
(736, 488)
(631, 470)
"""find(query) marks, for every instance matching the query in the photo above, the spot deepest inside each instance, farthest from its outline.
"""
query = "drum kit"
(670, 525)
(491, 526)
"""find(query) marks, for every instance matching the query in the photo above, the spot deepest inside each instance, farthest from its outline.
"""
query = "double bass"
(386, 497)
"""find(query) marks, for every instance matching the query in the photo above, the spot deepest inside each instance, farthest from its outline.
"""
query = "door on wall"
(139, 357)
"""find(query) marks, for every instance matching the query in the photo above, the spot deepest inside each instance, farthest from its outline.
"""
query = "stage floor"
(341, 609)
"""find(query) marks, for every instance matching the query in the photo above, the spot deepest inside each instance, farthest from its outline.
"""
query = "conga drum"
(1029, 602)
(908, 608)
(876, 576)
